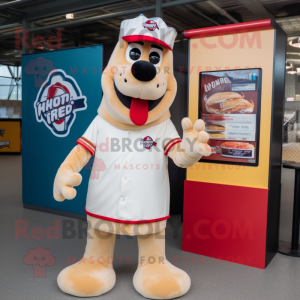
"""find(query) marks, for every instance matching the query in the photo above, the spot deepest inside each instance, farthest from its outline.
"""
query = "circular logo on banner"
(57, 102)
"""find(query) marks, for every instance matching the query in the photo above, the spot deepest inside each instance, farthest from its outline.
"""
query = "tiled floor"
(211, 279)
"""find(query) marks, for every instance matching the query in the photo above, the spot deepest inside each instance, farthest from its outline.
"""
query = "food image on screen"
(237, 145)
(215, 127)
(237, 149)
(216, 135)
(229, 104)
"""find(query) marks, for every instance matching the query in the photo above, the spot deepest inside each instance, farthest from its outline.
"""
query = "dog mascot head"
(138, 83)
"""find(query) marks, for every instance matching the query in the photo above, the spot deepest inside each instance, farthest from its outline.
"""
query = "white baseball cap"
(143, 29)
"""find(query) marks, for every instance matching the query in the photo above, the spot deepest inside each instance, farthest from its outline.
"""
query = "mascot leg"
(155, 277)
(94, 274)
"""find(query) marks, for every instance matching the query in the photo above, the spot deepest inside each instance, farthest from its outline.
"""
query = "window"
(291, 124)
(10, 83)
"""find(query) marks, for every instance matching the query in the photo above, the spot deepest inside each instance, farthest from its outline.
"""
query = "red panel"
(229, 29)
(225, 222)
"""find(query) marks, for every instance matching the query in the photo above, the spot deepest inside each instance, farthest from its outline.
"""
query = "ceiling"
(40, 13)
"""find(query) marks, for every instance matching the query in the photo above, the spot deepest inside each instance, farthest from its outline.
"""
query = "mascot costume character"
(132, 136)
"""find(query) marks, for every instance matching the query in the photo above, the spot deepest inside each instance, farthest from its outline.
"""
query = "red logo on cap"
(147, 142)
(150, 25)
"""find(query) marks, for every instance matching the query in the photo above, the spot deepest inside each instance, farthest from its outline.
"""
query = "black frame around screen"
(258, 115)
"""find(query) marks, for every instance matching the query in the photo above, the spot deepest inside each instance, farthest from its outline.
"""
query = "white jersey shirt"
(129, 181)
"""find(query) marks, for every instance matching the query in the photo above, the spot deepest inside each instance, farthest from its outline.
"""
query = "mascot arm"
(193, 145)
(68, 175)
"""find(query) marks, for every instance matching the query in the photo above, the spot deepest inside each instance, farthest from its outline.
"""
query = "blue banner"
(60, 97)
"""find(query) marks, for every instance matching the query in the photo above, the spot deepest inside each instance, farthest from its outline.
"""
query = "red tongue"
(139, 111)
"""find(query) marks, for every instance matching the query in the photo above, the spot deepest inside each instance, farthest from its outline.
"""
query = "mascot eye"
(134, 52)
(155, 57)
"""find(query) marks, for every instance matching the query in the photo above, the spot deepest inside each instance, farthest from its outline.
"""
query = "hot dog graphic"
(237, 145)
(228, 102)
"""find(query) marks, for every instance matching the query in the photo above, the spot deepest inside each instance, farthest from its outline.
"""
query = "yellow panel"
(211, 53)
(10, 139)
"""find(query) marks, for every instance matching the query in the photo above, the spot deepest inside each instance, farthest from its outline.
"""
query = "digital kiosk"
(232, 197)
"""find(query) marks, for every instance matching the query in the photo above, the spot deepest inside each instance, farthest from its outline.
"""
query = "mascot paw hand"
(63, 184)
(195, 139)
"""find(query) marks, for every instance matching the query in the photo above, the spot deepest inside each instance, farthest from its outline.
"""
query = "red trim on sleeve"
(174, 143)
(125, 221)
(86, 147)
(85, 140)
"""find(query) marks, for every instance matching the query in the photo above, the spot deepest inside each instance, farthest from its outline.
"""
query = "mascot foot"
(156, 277)
(86, 279)
(161, 281)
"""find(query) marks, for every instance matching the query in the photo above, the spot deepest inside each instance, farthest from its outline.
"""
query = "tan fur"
(113, 111)
(184, 155)
(78, 280)
(93, 275)
(156, 277)
(181, 159)
(68, 175)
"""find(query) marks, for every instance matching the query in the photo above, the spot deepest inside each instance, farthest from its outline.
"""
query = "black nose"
(143, 70)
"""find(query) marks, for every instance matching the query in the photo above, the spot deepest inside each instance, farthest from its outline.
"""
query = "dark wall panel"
(178, 112)
(276, 144)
